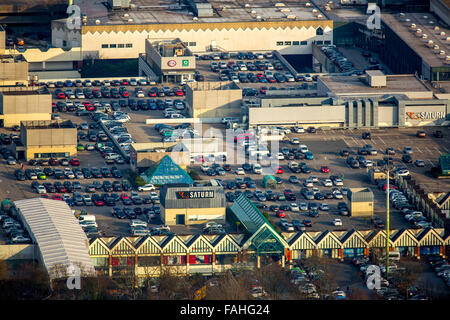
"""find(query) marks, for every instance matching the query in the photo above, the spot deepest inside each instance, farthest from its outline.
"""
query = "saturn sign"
(171, 63)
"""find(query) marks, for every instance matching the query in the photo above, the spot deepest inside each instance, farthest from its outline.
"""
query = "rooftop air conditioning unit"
(402, 14)
(247, 5)
(436, 48)
(308, 4)
(315, 10)
(195, 18)
(292, 16)
(320, 16)
(259, 18)
(436, 28)
(280, 4)
(448, 39)
(431, 22)
(413, 26)
(442, 54)
(285, 10)
(130, 20)
(429, 43)
(97, 21)
(424, 36)
(425, 17)
(327, 8)
(253, 12)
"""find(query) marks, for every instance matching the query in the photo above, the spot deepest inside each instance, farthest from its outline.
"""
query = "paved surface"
(324, 144)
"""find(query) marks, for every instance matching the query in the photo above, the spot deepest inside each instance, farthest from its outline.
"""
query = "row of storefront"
(210, 254)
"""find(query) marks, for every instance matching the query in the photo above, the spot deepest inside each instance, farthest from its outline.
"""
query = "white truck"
(87, 217)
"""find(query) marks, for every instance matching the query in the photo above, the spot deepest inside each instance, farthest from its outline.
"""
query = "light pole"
(387, 223)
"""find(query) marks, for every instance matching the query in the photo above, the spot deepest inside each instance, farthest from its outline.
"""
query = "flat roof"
(159, 12)
(394, 84)
(48, 124)
(422, 21)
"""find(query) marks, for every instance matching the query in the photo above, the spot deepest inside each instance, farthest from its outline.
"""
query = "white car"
(338, 182)
(20, 239)
(338, 195)
(299, 130)
(303, 148)
(294, 207)
(337, 222)
(289, 227)
(240, 171)
(284, 222)
(403, 172)
(147, 187)
(324, 207)
(295, 141)
(280, 156)
(367, 163)
(327, 183)
(314, 179)
(303, 206)
(308, 183)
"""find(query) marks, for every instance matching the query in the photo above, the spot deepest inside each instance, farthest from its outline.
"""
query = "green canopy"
(270, 182)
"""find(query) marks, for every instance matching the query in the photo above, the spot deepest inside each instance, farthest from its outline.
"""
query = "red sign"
(171, 63)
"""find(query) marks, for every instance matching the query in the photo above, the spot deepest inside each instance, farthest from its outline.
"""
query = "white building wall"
(230, 40)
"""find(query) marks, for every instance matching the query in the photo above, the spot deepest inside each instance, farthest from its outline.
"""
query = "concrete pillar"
(350, 114)
(368, 113)
(341, 254)
(283, 261)
(258, 262)
(401, 113)
(375, 113)
(110, 266)
(359, 122)
(187, 263)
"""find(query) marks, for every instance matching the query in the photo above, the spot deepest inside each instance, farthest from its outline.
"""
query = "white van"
(88, 217)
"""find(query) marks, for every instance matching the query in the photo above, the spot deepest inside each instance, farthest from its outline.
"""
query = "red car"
(179, 92)
(259, 75)
(74, 162)
(53, 162)
(325, 169)
(263, 90)
(124, 82)
(57, 197)
(99, 202)
(124, 196)
(61, 95)
(271, 79)
(125, 94)
(280, 170)
(152, 93)
(90, 107)
(281, 214)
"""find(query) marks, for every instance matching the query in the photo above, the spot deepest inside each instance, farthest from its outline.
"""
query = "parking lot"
(325, 145)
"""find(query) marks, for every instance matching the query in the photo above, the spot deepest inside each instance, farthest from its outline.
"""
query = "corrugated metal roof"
(360, 195)
(58, 234)
(170, 200)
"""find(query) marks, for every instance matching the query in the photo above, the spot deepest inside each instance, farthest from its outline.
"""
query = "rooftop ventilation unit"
(327, 8)
(130, 20)
(425, 17)
(431, 22)
(247, 5)
(292, 16)
(430, 43)
(119, 4)
(319, 16)
(126, 15)
(402, 14)
(375, 78)
(330, 2)
(285, 10)
(413, 26)
(448, 39)
(441, 54)
(97, 21)
(259, 18)
(436, 48)
(315, 11)
(280, 4)
(437, 28)
(195, 18)
(308, 4)
(253, 12)
(424, 36)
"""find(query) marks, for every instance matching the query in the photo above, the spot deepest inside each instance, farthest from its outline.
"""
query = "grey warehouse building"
(370, 101)
(187, 204)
